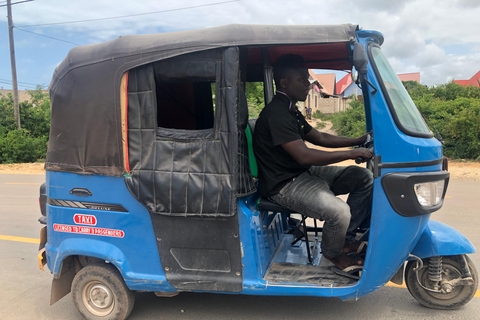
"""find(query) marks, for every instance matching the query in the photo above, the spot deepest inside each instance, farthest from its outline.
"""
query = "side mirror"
(360, 63)
(354, 75)
(360, 60)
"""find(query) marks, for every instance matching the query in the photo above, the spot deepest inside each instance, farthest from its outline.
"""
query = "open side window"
(185, 93)
(184, 122)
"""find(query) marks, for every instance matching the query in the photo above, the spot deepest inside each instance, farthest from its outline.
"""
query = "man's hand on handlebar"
(366, 145)
(363, 140)
(361, 155)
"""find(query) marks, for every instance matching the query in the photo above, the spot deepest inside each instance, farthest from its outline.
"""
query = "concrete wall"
(22, 94)
(334, 105)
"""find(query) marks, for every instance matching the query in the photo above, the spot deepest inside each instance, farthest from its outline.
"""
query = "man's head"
(291, 76)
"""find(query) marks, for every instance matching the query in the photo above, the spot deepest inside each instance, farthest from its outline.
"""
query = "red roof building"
(415, 76)
(327, 81)
(344, 83)
(473, 81)
(345, 87)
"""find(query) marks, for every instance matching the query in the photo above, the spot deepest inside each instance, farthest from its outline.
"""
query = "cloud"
(419, 34)
(469, 3)
(378, 5)
(431, 55)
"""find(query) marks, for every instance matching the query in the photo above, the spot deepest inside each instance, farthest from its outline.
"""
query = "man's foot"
(343, 261)
(355, 246)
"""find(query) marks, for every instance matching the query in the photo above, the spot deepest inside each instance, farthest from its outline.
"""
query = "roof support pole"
(267, 77)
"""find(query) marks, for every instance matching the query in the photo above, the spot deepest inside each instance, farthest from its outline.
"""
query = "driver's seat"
(265, 204)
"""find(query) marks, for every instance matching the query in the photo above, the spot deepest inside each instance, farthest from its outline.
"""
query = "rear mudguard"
(86, 247)
(110, 254)
(439, 239)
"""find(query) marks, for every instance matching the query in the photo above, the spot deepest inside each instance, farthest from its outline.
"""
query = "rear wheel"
(99, 292)
(441, 295)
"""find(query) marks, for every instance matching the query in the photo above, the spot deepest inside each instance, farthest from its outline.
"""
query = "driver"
(299, 178)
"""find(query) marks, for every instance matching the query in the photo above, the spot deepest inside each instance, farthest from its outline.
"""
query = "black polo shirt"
(276, 125)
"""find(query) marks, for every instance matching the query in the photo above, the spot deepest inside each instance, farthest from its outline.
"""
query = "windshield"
(405, 113)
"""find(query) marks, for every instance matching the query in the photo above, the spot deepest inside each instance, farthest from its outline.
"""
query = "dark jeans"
(313, 193)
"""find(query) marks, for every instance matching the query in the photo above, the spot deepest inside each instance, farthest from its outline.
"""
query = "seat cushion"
(265, 204)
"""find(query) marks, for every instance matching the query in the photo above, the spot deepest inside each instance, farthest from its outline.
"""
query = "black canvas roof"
(176, 43)
(85, 133)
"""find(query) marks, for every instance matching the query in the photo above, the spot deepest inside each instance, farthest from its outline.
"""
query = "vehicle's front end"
(410, 184)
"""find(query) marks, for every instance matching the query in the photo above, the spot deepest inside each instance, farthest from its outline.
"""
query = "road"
(25, 290)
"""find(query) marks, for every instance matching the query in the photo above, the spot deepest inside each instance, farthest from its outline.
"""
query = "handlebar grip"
(359, 160)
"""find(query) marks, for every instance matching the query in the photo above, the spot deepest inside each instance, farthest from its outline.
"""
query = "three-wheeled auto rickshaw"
(150, 176)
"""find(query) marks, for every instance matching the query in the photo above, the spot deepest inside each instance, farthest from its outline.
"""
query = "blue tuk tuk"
(150, 175)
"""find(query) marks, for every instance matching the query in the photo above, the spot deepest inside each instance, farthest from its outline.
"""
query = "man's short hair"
(285, 63)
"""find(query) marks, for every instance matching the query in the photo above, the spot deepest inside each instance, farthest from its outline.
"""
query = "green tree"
(35, 115)
(20, 146)
(350, 123)
(255, 98)
(30, 143)
(7, 119)
(454, 111)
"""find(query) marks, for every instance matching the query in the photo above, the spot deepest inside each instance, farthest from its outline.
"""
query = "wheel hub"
(98, 298)
(101, 296)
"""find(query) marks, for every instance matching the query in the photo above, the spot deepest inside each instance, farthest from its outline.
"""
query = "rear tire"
(458, 297)
(99, 292)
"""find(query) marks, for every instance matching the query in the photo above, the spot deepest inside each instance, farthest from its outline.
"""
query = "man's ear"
(283, 83)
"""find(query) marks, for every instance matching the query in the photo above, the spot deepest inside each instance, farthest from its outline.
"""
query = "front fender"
(439, 239)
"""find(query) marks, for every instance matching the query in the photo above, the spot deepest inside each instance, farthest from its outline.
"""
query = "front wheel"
(450, 292)
(99, 292)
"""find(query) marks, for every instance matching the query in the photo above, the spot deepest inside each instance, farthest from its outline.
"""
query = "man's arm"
(330, 141)
(305, 156)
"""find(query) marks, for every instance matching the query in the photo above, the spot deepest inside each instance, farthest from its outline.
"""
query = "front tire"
(458, 297)
(99, 292)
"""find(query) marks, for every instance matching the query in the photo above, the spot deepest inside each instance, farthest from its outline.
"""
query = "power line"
(127, 16)
(6, 81)
(23, 83)
(4, 5)
(42, 35)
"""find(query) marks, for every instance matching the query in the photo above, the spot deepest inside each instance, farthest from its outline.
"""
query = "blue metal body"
(135, 255)
(392, 237)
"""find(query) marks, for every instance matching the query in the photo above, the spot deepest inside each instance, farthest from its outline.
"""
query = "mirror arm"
(374, 89)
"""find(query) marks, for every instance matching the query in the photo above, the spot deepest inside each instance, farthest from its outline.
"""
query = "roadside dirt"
(459, 170)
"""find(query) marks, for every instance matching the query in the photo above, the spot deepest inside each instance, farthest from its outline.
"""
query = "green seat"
(251, 156)
(266, 205)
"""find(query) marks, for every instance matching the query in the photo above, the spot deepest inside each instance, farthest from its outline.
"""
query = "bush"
(20, 146)
(455, 112)
(322, 116)
(451, 109)
(350, 123)
(30, 143)
(255, 99)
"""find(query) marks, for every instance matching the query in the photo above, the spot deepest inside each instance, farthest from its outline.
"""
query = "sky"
(438, 38)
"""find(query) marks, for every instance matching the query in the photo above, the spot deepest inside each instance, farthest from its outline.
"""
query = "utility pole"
(16, 109)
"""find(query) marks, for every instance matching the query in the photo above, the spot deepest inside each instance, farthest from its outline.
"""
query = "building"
(23, 95)
(473, 81)
(346, 87)
(415, 76)
(322, 96)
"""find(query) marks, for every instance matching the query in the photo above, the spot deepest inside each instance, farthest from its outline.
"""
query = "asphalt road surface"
(25, 290)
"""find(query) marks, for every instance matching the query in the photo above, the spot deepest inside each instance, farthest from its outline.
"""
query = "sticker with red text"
(88, 230)
(85, 219)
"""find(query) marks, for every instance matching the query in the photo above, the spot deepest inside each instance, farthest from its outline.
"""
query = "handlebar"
(359, 160)
(368, 144)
